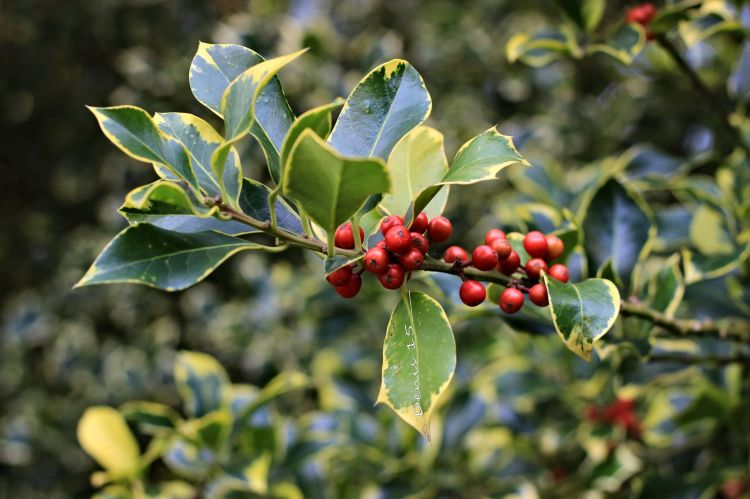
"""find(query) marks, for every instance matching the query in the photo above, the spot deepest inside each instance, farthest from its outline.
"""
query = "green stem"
(708, 97)
(272, 205)
(355, 233)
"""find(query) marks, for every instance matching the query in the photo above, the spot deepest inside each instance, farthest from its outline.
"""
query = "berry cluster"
(497, 253)
(401, 251)
(642, 14)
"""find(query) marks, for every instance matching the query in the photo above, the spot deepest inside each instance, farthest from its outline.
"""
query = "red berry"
(641, 14)
(555, 248)
(502, 247)
(538, 295)
(381, 244)
(420, 242)
(534, 268)
(535, 244)
(420, 223)
(376, 260)
(412, 259)
(345, 236)
(393, 277)
(341, 276)
(559, 272)
(439, 229)
(484, 258)
(398, 240)
(455, 253)
(511, 301)
(351, 288)
(492, 235)
(510, 264)
(390, 221)
(472, 293)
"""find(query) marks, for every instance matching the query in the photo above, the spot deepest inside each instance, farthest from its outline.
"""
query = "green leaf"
(167, 206)
(709, 233)
(617, 226)
(201, 140)
(624, 44)
(187, 459)
(582, 312)
(133, 131)
(238, 107)
(254, 202)
(707, 23)
(416, 162)
(482, 158)
(609, 272)
(419, 358)
(284, 382)
(667, 287)
(105, 436)
(542, 48)
(333, 263)
(250, 476)
(331, 188)
(669, 16)
(389, 102)
(317, 119)
(214, 67)
(201, 382)
(150, 417)
(145, 254)
(699, 267)
(210, 430)
(585, 14)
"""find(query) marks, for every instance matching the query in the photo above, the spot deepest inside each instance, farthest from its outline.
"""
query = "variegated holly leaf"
(582, 312)
(419, 357)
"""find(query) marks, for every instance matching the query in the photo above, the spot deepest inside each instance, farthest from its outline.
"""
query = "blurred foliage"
(507, 427)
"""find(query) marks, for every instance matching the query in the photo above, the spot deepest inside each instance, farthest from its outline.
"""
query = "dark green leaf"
(617, 227)
(667, 287)
(133, 131)
(201, 382)
(145, 254)
(317, 119)
(389, 102)
(624, 44)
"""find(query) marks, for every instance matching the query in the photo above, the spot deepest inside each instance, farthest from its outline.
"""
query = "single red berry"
(390, 221)
(412, 259)
(538, 295)
(555, 248)
(439, 229)
(420, 223)
(455, 253)
(380, 244)
(351, 288)
(376, 260)
(502, 247)
(492, 235)
(510, 264)
(511, 300)
(534, 268)
(535, 244)
(393, 277)
(472, 293)
(420, 242)
(641, 14)
(341, 276)
(345, 237)
(398, 240)
(559, 272)
(483, 257)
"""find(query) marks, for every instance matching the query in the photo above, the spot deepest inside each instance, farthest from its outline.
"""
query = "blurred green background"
(513, 422)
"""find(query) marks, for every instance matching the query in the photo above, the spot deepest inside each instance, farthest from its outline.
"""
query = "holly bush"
(632, 251)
